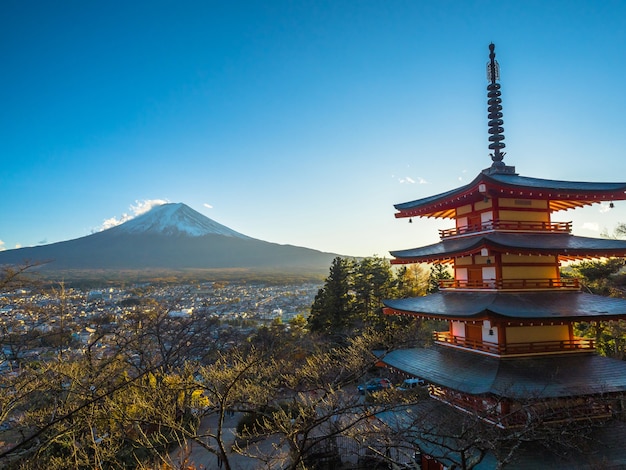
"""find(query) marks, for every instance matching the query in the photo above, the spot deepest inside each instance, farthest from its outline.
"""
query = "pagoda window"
(490, 332)
(460, 275)
(486, 218)
(458, 329)
(489, 276)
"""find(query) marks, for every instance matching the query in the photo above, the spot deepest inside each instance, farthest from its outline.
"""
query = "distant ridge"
(170, 236)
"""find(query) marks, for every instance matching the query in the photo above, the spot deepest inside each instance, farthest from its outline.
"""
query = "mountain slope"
(175, 219)
(172, 236)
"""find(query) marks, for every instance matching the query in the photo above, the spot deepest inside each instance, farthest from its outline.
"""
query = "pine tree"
(332, 311)
(374, 281)
(437, 271)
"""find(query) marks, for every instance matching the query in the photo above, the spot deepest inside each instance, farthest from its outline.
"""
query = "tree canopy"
(351, 298)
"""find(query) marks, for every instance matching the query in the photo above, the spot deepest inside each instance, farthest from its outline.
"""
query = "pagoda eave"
(565, 246)
(497, 319)
(427, 259)
(511, 306)
(552, 376)
(561, 195)
(564, 257)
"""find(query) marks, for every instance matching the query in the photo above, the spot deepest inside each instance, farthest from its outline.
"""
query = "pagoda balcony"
(508, 225)
(511, 284)
(507, 414)
(575, 345)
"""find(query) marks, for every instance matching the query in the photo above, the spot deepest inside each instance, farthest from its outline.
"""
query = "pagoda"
(510, 349)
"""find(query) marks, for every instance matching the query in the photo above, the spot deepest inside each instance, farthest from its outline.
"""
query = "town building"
(510, 356)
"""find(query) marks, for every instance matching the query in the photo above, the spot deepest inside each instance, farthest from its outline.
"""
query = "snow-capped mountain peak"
(175, 219)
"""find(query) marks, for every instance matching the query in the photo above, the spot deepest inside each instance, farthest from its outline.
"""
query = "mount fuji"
(170, 236)
(173, 220)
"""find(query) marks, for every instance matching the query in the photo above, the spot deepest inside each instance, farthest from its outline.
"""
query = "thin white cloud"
(409, 180)
(140, 207)
(113, 221)
(208, 206)
(3, 245)
(593, 226)
(604, 207)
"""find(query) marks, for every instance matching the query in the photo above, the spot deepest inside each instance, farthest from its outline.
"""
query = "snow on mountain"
(171, 236)
(175, 219)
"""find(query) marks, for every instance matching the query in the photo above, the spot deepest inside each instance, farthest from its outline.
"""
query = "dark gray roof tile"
(572, 305)
(552, 243)
(545, 377)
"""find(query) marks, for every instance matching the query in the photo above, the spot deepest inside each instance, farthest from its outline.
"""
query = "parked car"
(373, 385)
(410, 384)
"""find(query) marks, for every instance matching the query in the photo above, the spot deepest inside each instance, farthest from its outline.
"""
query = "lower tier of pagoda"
(448, 432)
(509, 392)
(506, 413)
(511, 324)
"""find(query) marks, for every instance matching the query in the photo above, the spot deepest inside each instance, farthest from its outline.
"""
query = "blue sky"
(297, 122)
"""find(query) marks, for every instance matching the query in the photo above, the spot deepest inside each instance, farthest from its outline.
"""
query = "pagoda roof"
(561, 194)
(520, 306)
(518, 378)
(565, 245)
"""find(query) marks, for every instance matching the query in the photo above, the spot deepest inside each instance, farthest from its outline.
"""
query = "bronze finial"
(495, 111)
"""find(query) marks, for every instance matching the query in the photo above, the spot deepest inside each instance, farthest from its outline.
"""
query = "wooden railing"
(512, 225)
(567, 283)
(530, 347)
(485, 346)
(513, 414)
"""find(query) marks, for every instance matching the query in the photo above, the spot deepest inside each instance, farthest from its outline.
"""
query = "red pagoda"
(510, 350)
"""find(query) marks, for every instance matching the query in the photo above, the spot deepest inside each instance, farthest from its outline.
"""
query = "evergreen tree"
(602, 277)
(333, 310)
(599, 276)
(438, 271)
(351, 299)
(373, 282)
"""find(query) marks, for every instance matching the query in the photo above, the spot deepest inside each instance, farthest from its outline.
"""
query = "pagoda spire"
(495, 114)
